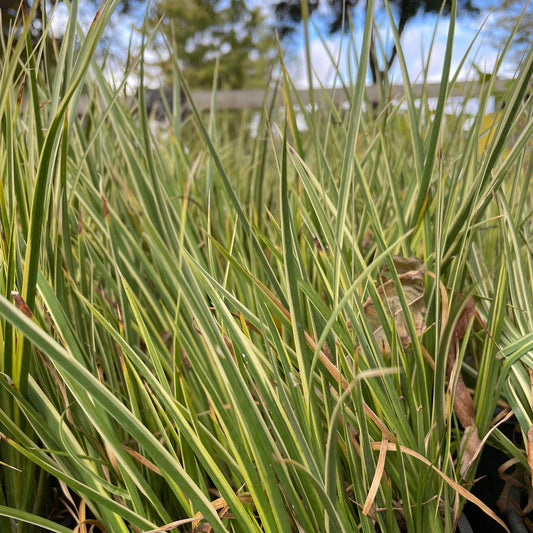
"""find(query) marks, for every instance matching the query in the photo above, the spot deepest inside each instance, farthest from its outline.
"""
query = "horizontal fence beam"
(255, 98)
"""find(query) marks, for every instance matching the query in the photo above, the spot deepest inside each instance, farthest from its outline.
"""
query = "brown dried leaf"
(411, 274)
(393, 447)
(475, 447)
(380, 468)
(463, 404)
(21, 304)
(468, 313)
(469, 447)
(219, 505)
(172, 525)
(143, 460)
(222, 507)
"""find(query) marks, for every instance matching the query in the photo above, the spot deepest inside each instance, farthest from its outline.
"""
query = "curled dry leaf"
(411, 274)
(219, 505)
(222, 507)
(463, 403)
(393, 447)
(465, 410)
(21, 304)
(468, 313)
(380, 469)
(470, 445)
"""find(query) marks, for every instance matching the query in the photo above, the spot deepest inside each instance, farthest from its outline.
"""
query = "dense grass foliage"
(313, 328)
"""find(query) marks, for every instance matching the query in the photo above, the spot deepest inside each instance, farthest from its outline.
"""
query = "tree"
(228, 31)
(9, 12)
(41, 10)
(341, 14)
(505, 16)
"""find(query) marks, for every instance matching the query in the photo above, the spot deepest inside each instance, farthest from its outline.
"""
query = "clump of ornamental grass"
(310, 329)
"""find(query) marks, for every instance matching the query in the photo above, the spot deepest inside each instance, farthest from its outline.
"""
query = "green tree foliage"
(9, 10)
(506, 15)
(341, 14)
(230, 31)
(12, 14)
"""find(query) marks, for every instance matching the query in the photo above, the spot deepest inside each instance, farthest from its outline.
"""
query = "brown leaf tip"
(21, 304)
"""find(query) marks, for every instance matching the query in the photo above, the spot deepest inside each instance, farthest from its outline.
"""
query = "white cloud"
(416, 41)
(60, 15)
(59, 19)
(323, 68)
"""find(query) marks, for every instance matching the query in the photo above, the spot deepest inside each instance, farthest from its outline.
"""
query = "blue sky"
(415, 43)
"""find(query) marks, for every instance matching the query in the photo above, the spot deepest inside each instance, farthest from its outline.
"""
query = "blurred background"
(245, 38)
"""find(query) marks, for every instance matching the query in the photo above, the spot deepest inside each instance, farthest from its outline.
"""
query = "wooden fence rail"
(255, 98)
